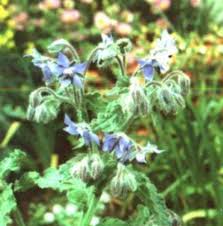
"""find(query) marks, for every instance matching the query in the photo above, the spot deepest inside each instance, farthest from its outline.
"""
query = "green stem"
(50, 91)
(90, 212)
(74, 52)
(154, 83)
(173, 74)
(121, 64)
(18, 217)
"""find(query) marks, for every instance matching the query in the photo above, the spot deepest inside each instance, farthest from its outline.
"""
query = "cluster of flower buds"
(108, 50)
(90, 167)
(123, 182)
(135, 101)
(42, 109)
(169, 97)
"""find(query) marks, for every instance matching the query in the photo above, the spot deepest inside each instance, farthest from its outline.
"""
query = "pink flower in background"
(162, 4)
(195, 3)
(50, 4)
(87, 1)
(21, 20)
(103, 22)
(123, 29)
(70, 16)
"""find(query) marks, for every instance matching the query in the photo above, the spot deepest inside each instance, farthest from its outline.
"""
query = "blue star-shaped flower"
(70, 74)
(80, 130)
(120, 144)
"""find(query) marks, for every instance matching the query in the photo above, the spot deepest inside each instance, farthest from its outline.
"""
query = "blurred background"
(190, 173)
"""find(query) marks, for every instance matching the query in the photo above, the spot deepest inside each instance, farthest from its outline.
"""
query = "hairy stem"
(173, 74)
(74, 52)
(90, 211)
(121, 64)
(18, 217)
(50, 91)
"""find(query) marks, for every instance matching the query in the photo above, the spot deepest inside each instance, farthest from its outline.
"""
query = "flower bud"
(124, 181)
(139, 98)
(165, 100)
(46, 111)
(81, 169)
(96, 166)
(30, 113)
(90, 167)
(57, 46)
(125, 45)
(184, 83)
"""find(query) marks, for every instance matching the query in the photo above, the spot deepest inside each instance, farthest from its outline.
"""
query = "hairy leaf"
(147, 192)
(142, 216)
(112, 120)
(7, 204)
(113, 222)
(12, 163)
(27, 181)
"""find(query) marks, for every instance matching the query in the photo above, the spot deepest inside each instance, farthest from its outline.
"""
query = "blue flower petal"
(77, 81)
(47, 74)
(109, 142)
(79, 68)
(148, 72)
(71, 126)
(62, 60)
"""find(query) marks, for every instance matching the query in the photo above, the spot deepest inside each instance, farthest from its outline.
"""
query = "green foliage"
(12, 163)
(111, 120)
(153, 200)
(7, 204)
(142, 216)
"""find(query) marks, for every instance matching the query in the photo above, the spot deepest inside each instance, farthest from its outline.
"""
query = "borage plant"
(99, 122)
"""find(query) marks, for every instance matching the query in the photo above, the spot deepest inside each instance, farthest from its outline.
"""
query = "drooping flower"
(159, 57)
(120, 144)
(46, 65)
(68, 73)
(143, 151)
(82, 130)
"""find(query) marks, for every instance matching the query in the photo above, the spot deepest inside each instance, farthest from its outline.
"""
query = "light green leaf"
(7, 204)
(11, 163)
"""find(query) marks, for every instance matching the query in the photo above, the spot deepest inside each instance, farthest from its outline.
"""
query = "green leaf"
(7, 205)
(147, 192)
(58, 45)
(112, 120)
(113, 222)
(12, 163)
(95, 102)
(142, 216)
(51, 179)
(27, 181)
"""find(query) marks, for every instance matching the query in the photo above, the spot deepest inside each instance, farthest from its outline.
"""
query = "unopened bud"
(125, 45)
(47, 111)
(96, 166)
(123, 182)
(81, 169)
(57, 46)
(184, 83)
(165, 100)
(139, 97)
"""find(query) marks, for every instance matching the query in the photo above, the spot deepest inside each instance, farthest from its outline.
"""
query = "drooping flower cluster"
(130, 98)
(60, 69)
(159, 57)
